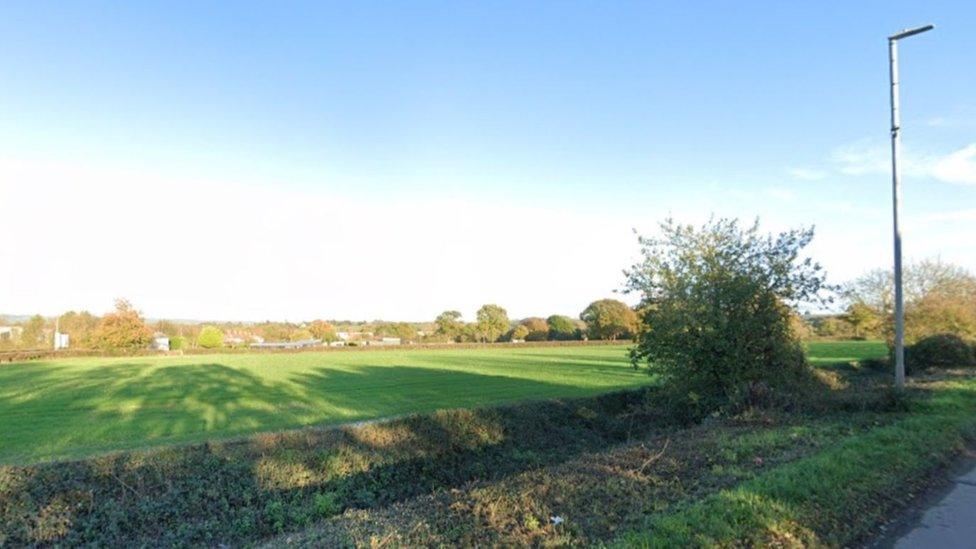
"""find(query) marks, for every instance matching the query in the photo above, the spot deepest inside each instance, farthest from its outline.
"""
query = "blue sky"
(536, 133)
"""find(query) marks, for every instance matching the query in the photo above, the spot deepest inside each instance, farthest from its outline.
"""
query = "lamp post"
(896, 199)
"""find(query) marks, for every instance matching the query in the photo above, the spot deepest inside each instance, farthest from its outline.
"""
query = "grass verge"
(835, 497)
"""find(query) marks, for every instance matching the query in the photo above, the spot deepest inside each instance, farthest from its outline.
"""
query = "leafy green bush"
(715, 323)
(210, 337)
(177, 343)
(940, 351)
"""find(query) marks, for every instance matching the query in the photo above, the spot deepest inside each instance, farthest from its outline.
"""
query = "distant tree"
(300, 334)
(862, 318)
(520, 333)
(491, 323)
(449, 325)
(561, 328)
(33, 335)
(210, 337)
(122, 329)
(321, 329)
(939, 298)
(832, 327)
(79, 327)
(538, 328)
(167, 327)
(609, 319)
(274, 331)
(403, 330)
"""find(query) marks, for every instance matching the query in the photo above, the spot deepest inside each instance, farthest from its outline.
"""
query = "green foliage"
(210, 337)
(79, 326)
(538, 328)
(491, 322)
(327, 504)
(609, 319)
(520, 332)
(834, 498)
(403, 330)
(561, 328)
(32, 336)
(300, 334)
(939, 298)
(122, 329)
(449, 325)
(864, 320)
(940, 351)
(715, 323)
(177, 343)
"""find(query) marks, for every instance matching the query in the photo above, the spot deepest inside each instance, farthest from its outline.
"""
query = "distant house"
(303, 344)
(160, 342)
(10, 333)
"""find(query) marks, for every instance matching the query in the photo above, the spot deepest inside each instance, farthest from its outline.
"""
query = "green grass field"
(69, 408)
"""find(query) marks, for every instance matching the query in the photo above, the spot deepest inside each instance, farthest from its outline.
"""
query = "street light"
(896, 199)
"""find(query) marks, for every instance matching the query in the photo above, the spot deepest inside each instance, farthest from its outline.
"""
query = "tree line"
(126, 328)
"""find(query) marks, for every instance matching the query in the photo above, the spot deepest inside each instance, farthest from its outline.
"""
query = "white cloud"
(78, 237)
(860, 158)
(869, 158)
(957, 167)
(807, 174)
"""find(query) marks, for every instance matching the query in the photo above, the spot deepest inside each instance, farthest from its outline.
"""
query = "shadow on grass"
(265, 484)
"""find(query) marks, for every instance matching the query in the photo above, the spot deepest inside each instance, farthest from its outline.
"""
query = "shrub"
(177, 342)
(210, 337)
(940, 351)
(714, 314)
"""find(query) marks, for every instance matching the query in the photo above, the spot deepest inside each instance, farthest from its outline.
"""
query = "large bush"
(715, 315)
(940, 351)
(210, 337)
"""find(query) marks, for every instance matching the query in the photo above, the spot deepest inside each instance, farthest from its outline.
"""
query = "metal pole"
(896, 199)
(896, 211)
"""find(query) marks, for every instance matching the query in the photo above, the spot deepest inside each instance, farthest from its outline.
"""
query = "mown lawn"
(75, 407)
(72, 408)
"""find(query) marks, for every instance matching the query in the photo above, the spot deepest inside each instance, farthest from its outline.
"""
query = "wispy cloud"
(867, 157)
(958, 167)
(860, 158)
(807, 174)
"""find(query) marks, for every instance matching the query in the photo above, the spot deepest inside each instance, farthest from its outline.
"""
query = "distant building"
(10, 333)
(61, 341)
(303, 344)
(160, 342)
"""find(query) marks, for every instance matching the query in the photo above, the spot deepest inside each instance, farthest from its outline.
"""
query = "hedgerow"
(264, 485)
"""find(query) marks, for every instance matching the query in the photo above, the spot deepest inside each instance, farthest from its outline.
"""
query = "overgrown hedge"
(230, 493)
(835, 498)
(940, 351)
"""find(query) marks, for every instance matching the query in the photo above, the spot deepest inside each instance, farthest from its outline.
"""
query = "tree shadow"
(244, 490)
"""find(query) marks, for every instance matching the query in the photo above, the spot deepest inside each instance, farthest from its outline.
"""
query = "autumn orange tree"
(122, 329)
